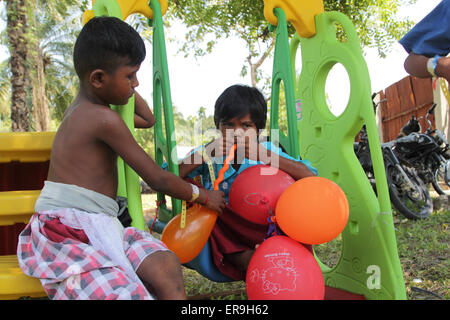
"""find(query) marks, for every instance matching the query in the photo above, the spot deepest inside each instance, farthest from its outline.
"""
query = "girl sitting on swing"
(240, 114)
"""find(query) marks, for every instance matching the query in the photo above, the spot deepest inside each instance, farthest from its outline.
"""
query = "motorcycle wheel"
(440, 181)
(413, 205)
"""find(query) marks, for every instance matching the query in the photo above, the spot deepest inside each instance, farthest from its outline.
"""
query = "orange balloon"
(187, 243)
(312, 210)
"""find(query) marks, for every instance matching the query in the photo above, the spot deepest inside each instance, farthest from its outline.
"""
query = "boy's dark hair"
(237, 101)
(106, 43)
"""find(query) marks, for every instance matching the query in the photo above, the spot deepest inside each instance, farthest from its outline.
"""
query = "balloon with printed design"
(283, 269)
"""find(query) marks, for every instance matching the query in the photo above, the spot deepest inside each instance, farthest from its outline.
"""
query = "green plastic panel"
(369, 262)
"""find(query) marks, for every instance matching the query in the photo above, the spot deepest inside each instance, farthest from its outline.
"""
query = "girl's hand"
(220, 146)
(248, 146)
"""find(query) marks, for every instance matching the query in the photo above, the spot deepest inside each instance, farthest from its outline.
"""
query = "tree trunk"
(254, 66)
(39, 101)
(16, 28)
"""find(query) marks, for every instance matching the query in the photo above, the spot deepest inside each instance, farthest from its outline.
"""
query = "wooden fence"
(407, 97)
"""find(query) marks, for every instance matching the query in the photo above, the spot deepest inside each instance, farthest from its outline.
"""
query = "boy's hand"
(216, 200)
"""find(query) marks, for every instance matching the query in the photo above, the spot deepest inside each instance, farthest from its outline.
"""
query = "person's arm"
(416, 65)
(114, 133)
(143, 116)
(296, 169)
(190, 163)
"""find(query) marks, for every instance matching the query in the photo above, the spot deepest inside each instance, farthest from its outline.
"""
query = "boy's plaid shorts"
(70, 268)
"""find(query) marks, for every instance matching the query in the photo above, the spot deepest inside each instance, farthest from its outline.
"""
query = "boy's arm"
(113, 131)
(143, 116)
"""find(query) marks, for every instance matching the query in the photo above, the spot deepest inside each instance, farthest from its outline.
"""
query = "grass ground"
(423, 247)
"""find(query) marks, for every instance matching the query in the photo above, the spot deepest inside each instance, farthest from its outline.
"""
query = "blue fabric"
(204, 264)
(231, 174)
(431, 36)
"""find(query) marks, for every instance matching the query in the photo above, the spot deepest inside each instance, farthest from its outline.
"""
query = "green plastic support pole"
(128, 180)
(165, 141)
(369, 262)
(282, 71)
(131, 181)
(295, 42)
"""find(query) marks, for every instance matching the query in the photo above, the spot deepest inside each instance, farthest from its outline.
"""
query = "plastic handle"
(225, 167)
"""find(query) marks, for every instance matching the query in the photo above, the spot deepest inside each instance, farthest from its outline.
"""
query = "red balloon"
(283, 269)
(255, 192)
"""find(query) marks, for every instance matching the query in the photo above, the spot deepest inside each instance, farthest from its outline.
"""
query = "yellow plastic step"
(17, 206)
(14, 284)
(26, 146)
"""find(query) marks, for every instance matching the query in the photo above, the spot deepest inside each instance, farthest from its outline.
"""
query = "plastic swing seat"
(205, 266)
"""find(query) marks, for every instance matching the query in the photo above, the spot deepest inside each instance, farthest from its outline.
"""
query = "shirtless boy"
(74, 242)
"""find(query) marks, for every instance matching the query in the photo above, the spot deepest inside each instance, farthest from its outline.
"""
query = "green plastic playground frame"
(369, 263)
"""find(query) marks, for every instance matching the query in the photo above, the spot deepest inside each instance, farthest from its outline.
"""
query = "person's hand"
(248, 147)
(443, 68)
(216, 200)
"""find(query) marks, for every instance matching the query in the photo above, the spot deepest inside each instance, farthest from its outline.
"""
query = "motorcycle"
(438, 164)
(412, 161)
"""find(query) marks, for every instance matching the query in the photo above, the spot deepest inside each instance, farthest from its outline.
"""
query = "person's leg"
(240, 259)
(156, 266)
(162, 273)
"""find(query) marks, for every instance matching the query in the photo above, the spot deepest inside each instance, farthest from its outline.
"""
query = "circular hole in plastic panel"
(337, 89)
(329, 253)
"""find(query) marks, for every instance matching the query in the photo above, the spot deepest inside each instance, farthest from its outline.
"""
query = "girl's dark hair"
(237, 101)
(106, 43)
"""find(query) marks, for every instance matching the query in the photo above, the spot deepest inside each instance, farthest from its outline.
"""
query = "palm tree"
(17, 29)
(46, 74)
(5, 96)
(55, 27)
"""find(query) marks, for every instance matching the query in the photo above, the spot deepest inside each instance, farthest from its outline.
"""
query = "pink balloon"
(283, 269)
(255, 192)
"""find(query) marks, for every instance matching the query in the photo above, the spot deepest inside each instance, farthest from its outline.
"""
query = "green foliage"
(375, 21)
(55, 29)
(5, 90)
(52, 29)
(210, 20)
